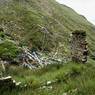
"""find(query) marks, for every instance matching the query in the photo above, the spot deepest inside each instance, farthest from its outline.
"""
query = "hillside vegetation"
(70, 79)
(43, 25)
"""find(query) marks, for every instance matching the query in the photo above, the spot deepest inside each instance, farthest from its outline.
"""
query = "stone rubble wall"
(79, 50)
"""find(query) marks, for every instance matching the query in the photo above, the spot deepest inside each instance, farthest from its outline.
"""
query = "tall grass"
(72, 78)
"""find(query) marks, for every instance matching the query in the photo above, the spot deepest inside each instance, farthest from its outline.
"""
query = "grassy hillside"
(70, 79)
(43, 24)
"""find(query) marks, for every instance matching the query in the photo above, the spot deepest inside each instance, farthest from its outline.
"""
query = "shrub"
(8, 50)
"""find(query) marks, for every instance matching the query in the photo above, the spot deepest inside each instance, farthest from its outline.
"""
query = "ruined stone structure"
(8, 83)
(79, 50)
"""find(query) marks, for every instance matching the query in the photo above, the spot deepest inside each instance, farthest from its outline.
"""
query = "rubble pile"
(34, 59)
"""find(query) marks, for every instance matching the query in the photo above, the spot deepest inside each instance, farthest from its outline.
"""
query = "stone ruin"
(8, 83)
(79, 49)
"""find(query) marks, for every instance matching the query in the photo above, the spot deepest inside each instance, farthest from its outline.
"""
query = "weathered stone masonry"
(79, 49)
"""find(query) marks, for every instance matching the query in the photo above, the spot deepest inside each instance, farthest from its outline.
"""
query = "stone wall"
(79, 50)
(7, 82)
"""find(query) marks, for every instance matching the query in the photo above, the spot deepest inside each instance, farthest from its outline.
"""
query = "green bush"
(8, 50)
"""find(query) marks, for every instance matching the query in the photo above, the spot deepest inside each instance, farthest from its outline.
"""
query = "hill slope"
(43, 24)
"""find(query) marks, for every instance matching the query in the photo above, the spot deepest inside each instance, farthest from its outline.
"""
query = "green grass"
(72, 78)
